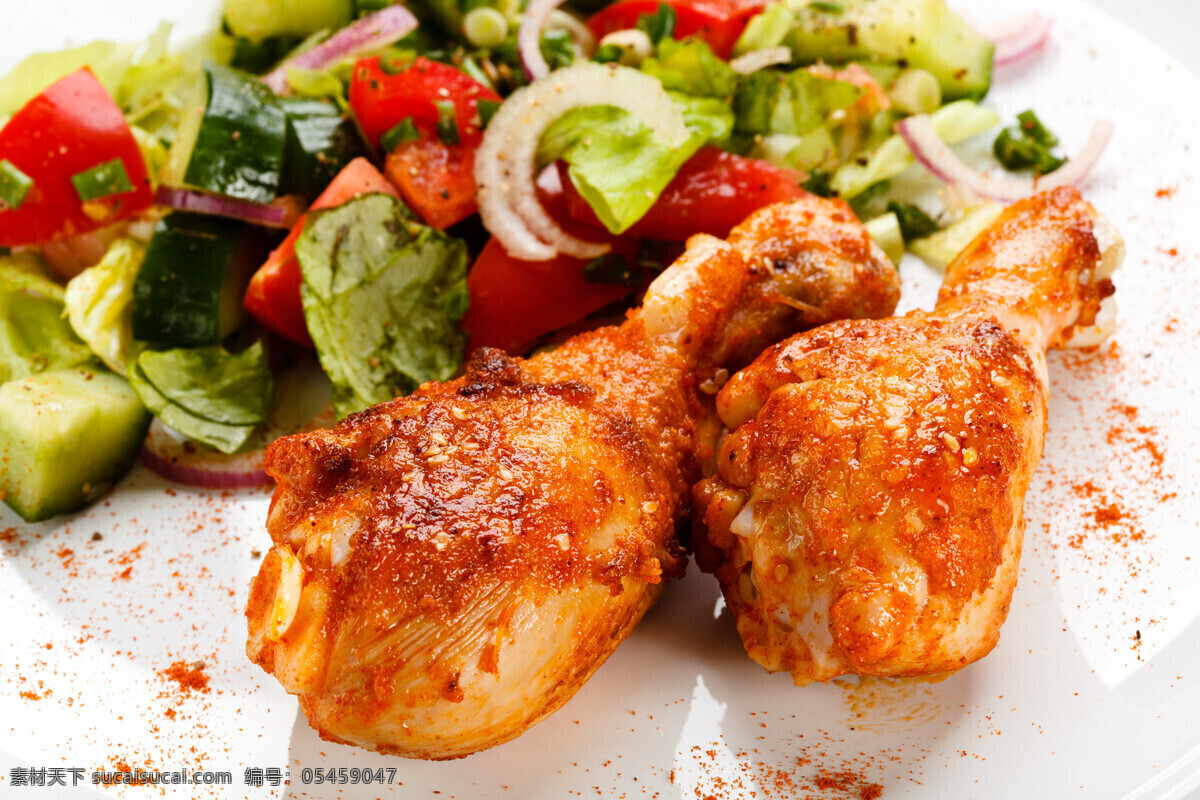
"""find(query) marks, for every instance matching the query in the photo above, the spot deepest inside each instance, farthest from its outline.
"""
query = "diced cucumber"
(916, 33)
(189, 290)
(320, 141)
(944, 246)
(65, 437)
(258, 19)
(239, 146)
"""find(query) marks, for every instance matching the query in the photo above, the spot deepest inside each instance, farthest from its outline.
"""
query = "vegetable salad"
(378, 189)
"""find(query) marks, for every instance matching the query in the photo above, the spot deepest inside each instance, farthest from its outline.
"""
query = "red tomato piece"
(514, 302)
(711, 193)
(436, 179)
(69, 128)
(273, 296)
(718, 22)
(381, 101)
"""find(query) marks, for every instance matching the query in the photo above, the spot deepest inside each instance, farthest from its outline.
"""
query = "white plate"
(1093, 691)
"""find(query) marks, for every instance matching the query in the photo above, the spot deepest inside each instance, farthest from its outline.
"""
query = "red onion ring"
(937, 157)
(182, 461)
(374, 31)
(529, 37)
(1019, 37)
(280, 214)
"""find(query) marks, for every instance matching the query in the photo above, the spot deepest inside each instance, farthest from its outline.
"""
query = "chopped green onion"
(659, 25)
(398, 134)
(487, 109)
(914, 223)
(14, 184)
(102, 180)
(447, 124)
(1033, 128)
(609, 268)
(608, 53)
(472, 68)
(826, 7)
(485, 27)
(1015, 151)
(393, 66)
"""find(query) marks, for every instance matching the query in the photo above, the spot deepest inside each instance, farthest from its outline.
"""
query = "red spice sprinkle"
(190, 677)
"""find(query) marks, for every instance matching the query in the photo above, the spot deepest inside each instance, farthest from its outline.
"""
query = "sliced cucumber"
(320, 141)
(916, 33)
(65, 437)
(239, 146)
(259, 19)
(189, 290)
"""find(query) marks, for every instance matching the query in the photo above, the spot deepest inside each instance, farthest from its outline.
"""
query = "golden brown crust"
(867, 513)
(449, 567)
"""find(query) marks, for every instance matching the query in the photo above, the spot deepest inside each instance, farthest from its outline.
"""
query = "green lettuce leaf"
(615, 161)
(99, 302)
(206, 393)
(692, 68)
(381, 297)
(34, 337)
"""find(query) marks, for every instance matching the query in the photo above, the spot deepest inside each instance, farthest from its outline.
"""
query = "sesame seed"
(439, 459)
(505, 474)
(432, 450)
(781, 572)
(649, 507)
(950, 441)
(439, 438)
(409, 476)
(457, 413)
(470, 446)
(563, 541)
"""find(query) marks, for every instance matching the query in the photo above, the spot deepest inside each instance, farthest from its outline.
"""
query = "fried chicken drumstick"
(448, 568)
(867, 516)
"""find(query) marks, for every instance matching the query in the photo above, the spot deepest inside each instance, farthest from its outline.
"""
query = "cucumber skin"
(239, 147)
(925, 34)
(177, 297)
(65, 438)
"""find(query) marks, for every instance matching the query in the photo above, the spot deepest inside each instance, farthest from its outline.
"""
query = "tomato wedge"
(437, 180)
(70, 128)
(273, 296)
(513, 302)
(436, 177)
(718, 22)
(711, 193)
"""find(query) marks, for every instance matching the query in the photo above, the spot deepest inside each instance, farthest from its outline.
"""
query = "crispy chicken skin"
(867, 515)
(448, 568)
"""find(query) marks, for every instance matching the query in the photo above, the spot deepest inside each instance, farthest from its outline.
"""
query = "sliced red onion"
(761, 59)
(504, 164)
(274, 215)
(181, 460)
(373, 32)
(937, 157)
(529, 37)
(1019, 37)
